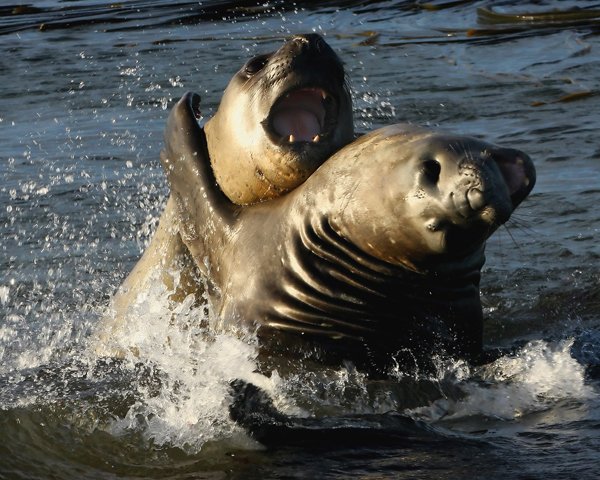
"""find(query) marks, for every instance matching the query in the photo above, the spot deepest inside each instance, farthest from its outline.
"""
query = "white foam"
(540, 374)
(195, 366)
(4, 294)
(191, 406)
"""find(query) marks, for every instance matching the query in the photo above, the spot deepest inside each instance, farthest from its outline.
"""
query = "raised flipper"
(167, 259)
(206, 215)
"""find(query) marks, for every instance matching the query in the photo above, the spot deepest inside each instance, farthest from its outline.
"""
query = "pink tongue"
(514, 176)
(302, 124)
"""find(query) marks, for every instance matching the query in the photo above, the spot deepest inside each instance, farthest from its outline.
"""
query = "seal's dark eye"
(432, 170)
(255, 65)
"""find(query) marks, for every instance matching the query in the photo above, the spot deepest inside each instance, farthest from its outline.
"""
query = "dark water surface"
(85, 88)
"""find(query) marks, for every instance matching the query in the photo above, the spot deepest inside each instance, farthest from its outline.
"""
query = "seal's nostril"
(311, 41)
(476, 199)
(432, 170)
(319, 44)
(301, 39)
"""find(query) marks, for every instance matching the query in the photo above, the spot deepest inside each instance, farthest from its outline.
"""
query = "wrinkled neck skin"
(333, 299)
(316, 291)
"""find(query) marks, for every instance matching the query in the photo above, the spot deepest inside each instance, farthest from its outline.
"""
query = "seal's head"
(429, 198)
(282, 115)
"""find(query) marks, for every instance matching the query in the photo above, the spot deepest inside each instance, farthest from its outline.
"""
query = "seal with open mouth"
(280, 117)
(379, 251)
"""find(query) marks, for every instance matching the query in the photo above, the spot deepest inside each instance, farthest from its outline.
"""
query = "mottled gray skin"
(379, 251)
(251, 161)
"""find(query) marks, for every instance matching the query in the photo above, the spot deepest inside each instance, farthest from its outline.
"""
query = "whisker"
(526, 215)
(512, 237)
(521, 222)
(523, 227)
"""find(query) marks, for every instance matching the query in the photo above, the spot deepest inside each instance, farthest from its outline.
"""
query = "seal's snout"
(456, 182)
(311, 54)
(485, 182)
(312, 43)
(312, 108)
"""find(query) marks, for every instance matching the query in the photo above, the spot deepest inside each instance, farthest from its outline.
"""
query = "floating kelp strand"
(575, 15)
(570, 97)
(531, 23)
(435, 6)
(372, 39)
(529, 30)
(25, 10)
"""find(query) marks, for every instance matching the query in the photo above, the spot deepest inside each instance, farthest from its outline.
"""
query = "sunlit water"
(85, 92)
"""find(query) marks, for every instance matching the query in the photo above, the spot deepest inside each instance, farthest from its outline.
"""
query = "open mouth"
(302, 115)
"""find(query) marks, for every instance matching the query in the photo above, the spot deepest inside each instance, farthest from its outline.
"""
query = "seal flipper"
(205, 213)
(253, 410)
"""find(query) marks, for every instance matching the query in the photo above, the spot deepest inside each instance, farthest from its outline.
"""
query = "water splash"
(194, 366)
(538, 376)
(191, 406)
(197, 364)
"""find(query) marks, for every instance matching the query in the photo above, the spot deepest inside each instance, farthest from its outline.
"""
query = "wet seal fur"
(377, 253)
(280, 117)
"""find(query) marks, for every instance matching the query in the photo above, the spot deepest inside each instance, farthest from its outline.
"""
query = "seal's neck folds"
(335, 291)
